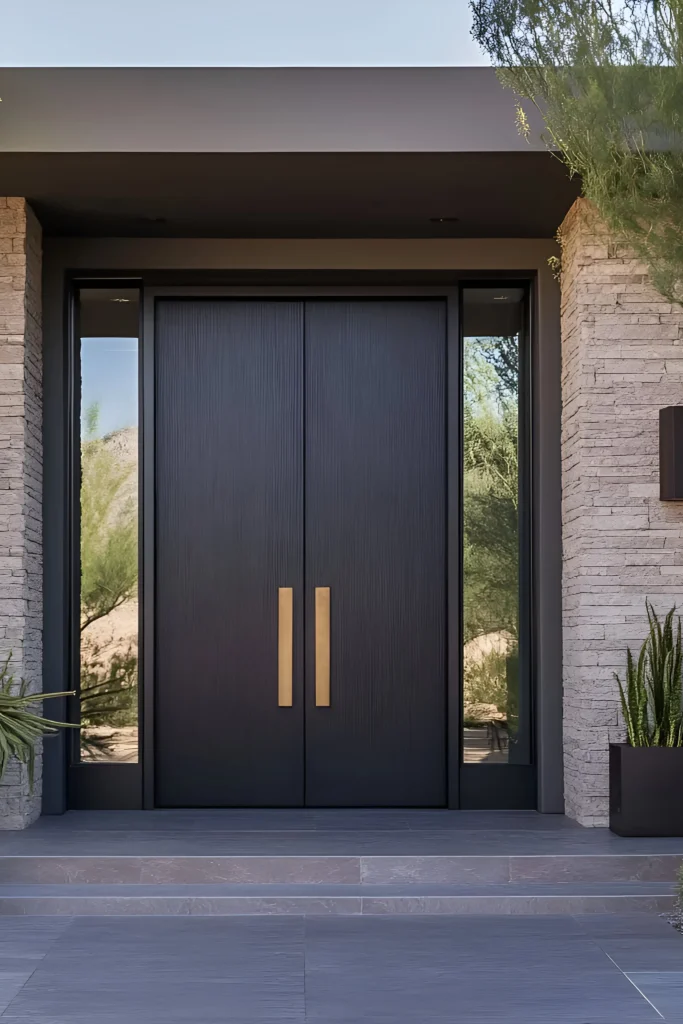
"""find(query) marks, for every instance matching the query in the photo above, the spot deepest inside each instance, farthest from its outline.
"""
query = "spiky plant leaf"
(20, 727)
(652, 699)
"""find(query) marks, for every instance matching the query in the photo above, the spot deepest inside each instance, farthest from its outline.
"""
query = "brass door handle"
(322, 647)
(285, 646)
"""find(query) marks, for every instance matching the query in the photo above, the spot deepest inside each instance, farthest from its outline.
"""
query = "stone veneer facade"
(20, 475)
(622, 360)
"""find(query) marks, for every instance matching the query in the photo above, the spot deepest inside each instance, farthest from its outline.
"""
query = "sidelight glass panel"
(108, 638)
(496, 711)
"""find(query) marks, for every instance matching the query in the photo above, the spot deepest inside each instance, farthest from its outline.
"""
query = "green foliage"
(109, 575)
(607, 77)
(109, 549)
(485, 680)
(490, 506)
(20, 727)
(108, 693)
(651, 698)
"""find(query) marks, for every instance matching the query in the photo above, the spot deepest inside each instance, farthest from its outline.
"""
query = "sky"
(248, 33)
(109, 379)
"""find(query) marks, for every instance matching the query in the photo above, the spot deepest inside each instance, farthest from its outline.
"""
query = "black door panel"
(229, 510)
(375, 535)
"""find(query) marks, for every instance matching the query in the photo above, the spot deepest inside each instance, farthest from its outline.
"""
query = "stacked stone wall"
(622, 352)
(20, 476)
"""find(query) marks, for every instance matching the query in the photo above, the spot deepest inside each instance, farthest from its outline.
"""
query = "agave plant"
(20, 727)
(651, 698)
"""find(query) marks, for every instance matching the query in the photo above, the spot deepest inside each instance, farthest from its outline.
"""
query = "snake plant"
(20, 727)
(651, 697)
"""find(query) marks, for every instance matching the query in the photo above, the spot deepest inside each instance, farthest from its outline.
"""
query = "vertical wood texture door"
(376, 536)
(229, 519)
(301, 445)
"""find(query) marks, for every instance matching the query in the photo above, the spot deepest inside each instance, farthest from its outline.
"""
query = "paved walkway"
(319, 833)
(385, 970)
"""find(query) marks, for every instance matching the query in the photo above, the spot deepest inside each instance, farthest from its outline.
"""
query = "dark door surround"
(103, 784)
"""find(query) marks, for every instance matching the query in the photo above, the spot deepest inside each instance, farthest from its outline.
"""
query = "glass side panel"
(108, 328)
(496, 712)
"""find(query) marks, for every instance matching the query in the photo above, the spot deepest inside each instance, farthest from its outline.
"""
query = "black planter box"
(645, 790)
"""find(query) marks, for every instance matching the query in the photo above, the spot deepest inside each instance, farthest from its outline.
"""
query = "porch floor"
(324, 833)
(220, 862)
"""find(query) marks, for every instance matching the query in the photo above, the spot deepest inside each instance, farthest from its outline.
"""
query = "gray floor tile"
(301, 819)
(636, 942)
(463, 993)
(429, 940)
(148, 1016)
(152, 969)
(11, 983)
(135, 870)
(386, 970)
(319, 832)
(474, 970)
(29, 937)
(664, 990)
(653, 954)
(344, 889)
(625, 925)
(165, 998)
(190, 944)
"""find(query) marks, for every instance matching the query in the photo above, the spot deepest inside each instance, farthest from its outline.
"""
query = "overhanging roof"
(307, 152)
(256, 110)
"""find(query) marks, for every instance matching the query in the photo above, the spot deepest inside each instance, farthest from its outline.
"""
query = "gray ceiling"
(293, 194)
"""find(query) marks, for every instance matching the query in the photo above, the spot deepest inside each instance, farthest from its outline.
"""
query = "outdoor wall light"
(671, 453)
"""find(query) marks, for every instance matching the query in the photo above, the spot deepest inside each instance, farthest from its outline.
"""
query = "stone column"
(622, 352)
(20, 476)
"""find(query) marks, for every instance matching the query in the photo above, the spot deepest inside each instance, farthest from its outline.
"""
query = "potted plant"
(646, 772)
(21, 727)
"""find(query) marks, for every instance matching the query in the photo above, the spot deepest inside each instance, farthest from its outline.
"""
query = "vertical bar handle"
(322, 647)
(285, 646)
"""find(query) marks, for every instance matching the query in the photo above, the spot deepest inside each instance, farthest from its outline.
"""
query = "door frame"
(452, 569)
(107, 785)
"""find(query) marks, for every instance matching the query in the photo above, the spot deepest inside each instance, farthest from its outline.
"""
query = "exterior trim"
(450, 263)
(251, 110)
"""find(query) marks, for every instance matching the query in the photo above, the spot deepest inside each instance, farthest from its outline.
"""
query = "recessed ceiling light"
(444, 220)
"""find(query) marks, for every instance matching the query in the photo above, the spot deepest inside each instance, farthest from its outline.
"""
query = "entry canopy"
(302, 152)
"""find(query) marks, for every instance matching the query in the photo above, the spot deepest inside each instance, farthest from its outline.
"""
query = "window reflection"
(495, 704)
(108, 320)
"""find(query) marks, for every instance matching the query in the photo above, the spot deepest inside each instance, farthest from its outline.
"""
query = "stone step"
(332, 869)
(223, 899)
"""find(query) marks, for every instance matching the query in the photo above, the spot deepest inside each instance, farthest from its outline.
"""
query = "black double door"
(300, 450)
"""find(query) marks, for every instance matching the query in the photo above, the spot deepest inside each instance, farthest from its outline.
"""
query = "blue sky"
(109, 378)
(85, 33)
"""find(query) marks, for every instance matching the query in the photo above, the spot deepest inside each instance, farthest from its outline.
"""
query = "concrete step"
(146, 869)
(343, 898)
